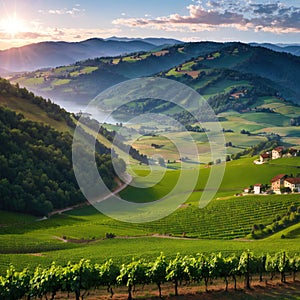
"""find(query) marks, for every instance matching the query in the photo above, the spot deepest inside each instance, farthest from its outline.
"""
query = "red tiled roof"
(265, 155)
(278, 149)
(293, 180)
(258, 184)
(278, 177)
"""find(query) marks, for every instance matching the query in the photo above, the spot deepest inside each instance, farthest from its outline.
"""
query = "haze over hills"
(52, 54)
(154, 41)
(292, 49)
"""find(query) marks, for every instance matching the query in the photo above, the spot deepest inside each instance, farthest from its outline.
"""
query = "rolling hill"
(84, 80)
(52, 54)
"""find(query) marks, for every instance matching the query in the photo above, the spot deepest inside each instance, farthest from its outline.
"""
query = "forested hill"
(36, 174)
(82, 81)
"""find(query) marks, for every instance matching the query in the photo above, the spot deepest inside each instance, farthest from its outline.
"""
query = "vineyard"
(224, 219)
(79, 278)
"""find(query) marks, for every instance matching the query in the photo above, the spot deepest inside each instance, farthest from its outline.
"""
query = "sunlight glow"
(12, 25)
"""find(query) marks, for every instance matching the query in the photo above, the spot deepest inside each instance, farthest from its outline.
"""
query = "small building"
(257, 188)
(278, 182)
(277, 152)
(246, 190)
(264, 157)
(292, 152)
(293, 183)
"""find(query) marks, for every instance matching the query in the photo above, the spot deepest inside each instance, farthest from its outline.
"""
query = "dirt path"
(121, 186)
(273, 290)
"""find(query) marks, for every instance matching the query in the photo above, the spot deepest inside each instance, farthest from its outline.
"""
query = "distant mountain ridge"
(53, 54)
(154, 41)
(292, 49)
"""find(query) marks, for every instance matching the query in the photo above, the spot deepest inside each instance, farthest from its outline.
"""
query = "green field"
(220, 226)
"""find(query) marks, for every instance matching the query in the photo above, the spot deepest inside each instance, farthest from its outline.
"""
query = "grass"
(266, 118)
(226, 217)
(224, 86)
(122, 250)
(8, 218)
(58, 82)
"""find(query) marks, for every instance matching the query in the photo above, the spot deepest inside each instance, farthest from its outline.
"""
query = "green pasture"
(266, 119)
(220, 226)
(224, 86)
(58, 82)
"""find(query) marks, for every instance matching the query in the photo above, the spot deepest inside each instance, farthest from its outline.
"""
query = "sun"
(12, 25)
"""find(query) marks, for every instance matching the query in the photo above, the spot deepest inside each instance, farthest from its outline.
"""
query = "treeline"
(79, 278)
(36, 174)
(54, 111)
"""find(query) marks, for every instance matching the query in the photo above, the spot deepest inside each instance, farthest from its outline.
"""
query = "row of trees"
(79, 278)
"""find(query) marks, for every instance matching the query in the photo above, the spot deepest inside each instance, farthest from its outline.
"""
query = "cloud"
(64, 11)
(23, 36)
(273, 17)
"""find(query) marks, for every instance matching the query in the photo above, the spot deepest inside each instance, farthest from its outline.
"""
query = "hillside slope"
(36, 174)
(82, 81)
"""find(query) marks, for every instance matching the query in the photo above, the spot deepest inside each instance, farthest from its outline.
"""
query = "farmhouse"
(264, 157)
(277, 152)
(292, 183)
(278, 182)
(257, 188)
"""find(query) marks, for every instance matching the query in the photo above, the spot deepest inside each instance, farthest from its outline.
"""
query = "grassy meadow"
(221, 226)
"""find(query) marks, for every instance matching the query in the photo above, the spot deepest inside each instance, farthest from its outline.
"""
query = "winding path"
(121, 186)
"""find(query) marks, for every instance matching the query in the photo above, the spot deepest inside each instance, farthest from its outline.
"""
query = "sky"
(30, 21)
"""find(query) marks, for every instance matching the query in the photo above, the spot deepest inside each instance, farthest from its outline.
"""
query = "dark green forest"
(36, 174)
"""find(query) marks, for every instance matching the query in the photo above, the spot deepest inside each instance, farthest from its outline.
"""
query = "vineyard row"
(79, 278)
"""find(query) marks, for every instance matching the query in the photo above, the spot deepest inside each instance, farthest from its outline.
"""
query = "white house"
(257, 188)
(277, 152)
(293, 183)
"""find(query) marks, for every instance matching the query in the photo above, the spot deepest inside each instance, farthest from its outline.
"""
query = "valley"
(258, 110)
